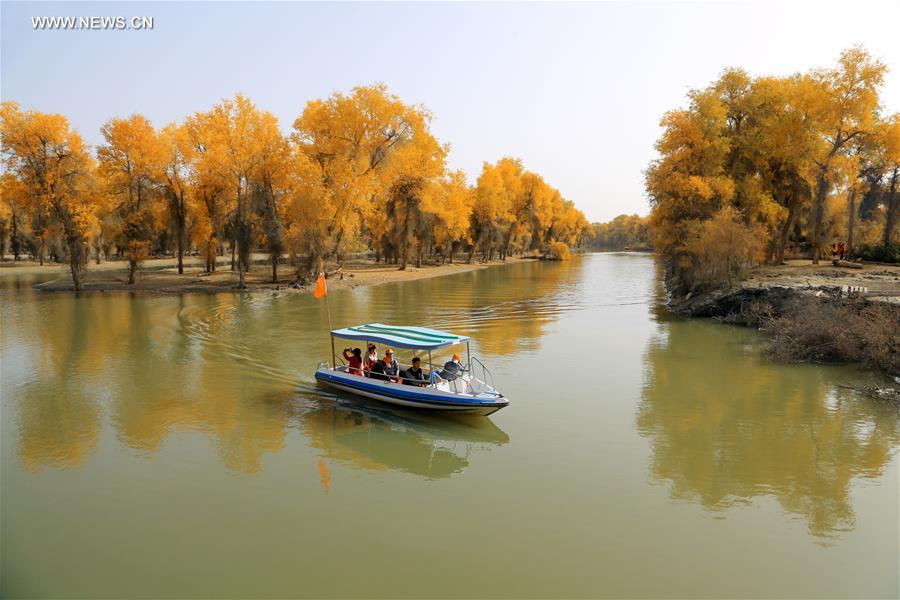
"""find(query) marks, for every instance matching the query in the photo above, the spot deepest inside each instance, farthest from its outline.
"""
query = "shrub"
(559, 251)
(721, 250)
(878, 252)
(827, 330)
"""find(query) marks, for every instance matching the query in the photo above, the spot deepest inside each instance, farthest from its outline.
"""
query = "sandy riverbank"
(161, 276)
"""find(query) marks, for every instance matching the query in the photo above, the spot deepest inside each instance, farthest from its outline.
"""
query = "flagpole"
(325, 290)
(328, 307)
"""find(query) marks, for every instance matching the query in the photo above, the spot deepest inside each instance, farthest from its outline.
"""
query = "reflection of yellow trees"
(509, 314)
(208, 363)
(59, 418)
(162, 378)
(504, 310)
(378, 439)
(726, 427)
(59, 425)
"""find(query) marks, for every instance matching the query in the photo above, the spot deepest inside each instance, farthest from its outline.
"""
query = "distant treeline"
(758, 167)
(625, 232)
(359, 172)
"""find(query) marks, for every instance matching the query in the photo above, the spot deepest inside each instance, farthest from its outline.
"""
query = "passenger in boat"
(377, 371)
(387, 368)
(414, 375)
(391, 368)
(370, 360)
(452, 369)
(354, 359)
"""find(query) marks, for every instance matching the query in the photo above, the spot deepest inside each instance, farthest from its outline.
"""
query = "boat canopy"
(420, 338)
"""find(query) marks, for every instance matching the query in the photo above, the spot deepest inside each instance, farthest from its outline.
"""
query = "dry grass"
(814, 329)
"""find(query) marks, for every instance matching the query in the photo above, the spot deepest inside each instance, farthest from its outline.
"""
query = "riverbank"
(818, 313)
(881, 283)
(161, 276)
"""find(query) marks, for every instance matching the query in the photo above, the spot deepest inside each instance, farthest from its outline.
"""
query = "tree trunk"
(893, 204)
(785, 234)
(404, 256)
(209, 253)
(851, 220)
(132, 267)
(233, 248)
(274, 268)
(75, 268)
(818, 210)
(180, 219)
(180, 246)
(14, 239)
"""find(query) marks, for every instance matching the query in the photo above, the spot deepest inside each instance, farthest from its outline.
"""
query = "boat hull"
(424, 398)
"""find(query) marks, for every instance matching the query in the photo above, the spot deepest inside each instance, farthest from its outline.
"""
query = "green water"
(178, 447)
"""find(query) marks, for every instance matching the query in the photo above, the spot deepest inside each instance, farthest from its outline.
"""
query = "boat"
(466, 394)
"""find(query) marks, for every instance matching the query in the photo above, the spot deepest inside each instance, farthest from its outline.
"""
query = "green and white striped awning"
(420, 338)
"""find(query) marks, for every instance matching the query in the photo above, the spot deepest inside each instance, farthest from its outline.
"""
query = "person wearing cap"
(370, 360)
(391, 368)
(452, 369)
(387, 368)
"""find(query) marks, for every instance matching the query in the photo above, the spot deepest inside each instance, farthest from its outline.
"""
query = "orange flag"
(320, 290)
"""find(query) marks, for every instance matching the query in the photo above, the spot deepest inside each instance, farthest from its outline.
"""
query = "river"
(177, 446)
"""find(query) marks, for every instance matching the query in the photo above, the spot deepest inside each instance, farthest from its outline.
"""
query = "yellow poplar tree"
(450, 201)
(177, 155)
(51, 162)
(351, 138)
(131, 162)
(236, 137)
(843, 104)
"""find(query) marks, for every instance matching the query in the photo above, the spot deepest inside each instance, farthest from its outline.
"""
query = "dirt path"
(161, 276)
(874, 278)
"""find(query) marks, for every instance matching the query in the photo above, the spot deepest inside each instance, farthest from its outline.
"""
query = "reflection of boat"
(463, 394)
(374, 436)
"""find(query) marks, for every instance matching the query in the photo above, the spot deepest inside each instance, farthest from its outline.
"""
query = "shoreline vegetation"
(813, 313)
(160, 276)
(759, 170)
(359, 172)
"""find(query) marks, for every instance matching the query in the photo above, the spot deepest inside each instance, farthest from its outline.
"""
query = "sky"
(575, 90)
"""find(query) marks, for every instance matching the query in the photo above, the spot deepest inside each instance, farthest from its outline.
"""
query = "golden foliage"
(720, 250)
(55, 172)
(625, 232)
(559, 251)
(780, 151)
(360, 171)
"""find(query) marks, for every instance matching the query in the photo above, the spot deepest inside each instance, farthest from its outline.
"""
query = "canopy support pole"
(469, 357)
(333, 354)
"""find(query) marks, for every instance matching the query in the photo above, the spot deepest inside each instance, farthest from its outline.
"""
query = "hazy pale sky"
(575, 90)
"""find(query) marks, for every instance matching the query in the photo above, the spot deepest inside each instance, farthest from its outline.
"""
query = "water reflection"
(231, 365)
(727, 426)
(506, 311)
(363, 435)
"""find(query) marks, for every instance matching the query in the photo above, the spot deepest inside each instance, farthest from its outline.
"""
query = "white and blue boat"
(466, 393)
